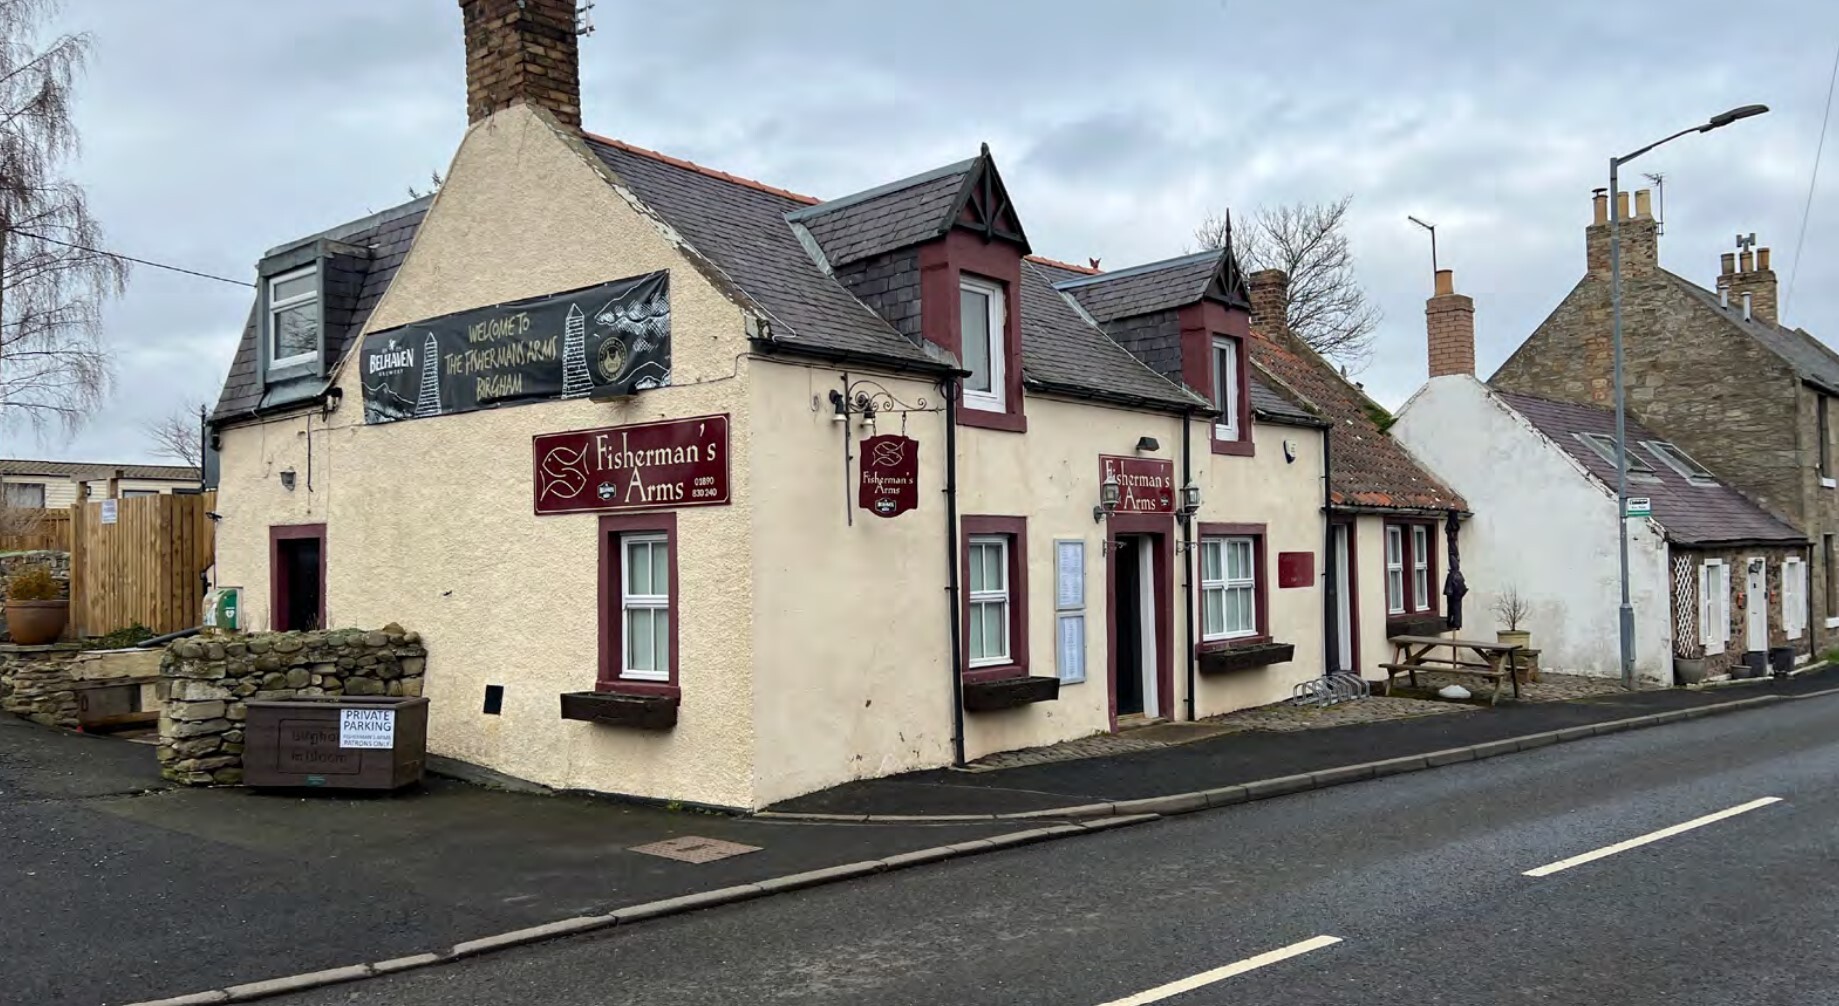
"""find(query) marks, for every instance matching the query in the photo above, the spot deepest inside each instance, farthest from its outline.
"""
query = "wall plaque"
(673, 463)
(888, 475)
(1145, 485)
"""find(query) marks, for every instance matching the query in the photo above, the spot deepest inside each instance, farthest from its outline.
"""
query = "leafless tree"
(1328, 308)
(178, 435)
(53, 278)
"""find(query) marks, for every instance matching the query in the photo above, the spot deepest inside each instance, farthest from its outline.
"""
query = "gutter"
(901, 365)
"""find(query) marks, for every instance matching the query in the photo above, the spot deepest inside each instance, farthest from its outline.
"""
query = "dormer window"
(293, 318)
(1226, 387)
(982, 314)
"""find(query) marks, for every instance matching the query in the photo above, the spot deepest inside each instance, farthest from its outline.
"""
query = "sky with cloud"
(215, 129)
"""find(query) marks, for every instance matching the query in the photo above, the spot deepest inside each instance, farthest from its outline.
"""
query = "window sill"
(1000, 672)
(1826, 483)
(1235, 643)
(1235, 448)
(642, 711)
(1833, 623)
(1010, 422)
(1246, 658)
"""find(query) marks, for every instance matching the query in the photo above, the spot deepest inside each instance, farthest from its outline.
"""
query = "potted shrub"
(1512, 610)
(36, 609)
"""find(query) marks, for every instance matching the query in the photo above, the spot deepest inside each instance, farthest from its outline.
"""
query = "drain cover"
(693, 849)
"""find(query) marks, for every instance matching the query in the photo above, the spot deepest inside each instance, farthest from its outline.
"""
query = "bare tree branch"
(1328, 308)
(52, 368)
(178, 434)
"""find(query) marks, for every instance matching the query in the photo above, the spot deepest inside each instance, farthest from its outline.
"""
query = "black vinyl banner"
(612, 338)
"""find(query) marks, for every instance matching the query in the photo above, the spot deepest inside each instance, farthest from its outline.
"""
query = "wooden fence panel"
(144, 568)
(45, 529)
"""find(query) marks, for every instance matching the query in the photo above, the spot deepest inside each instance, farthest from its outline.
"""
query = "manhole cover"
(692, 849)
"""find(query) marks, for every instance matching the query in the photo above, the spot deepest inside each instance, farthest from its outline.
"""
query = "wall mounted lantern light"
(1190, 502)
(1108, 496)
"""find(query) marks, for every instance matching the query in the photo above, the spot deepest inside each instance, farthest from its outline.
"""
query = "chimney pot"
(1762, 260)
(1746, 262)
(1643, 206)
(1599, 204)
(1727, 263)
(1622, 205)
(1446, 282)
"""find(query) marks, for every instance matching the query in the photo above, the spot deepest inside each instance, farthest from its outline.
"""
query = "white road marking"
(1206, 978)
(1635, 843)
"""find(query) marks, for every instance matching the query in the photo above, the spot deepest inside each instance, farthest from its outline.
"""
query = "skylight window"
(1605, 446)
(1681, 462)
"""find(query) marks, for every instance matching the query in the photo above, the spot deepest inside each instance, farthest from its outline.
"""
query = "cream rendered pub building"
(703, 490)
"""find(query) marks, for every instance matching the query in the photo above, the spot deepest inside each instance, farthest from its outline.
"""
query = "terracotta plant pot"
(35, 623)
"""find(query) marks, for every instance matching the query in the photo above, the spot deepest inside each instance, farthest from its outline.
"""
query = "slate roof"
(96, 470)
(1810, 358)
(1367, 467)
(887, 217)
(741, 228)
(387, 236)
(1693, 514)
(1157, 286)
(1062, 351)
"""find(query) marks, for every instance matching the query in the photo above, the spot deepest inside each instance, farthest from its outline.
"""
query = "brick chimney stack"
(1749, 273)
(522, 51)
(1640, 236)
(1449, 320)
(1270, 297)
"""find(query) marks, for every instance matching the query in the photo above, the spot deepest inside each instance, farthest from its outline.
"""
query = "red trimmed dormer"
(954, 234)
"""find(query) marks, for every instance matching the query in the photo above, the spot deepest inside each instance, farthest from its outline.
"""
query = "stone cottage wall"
(36, 683)
(209, 679)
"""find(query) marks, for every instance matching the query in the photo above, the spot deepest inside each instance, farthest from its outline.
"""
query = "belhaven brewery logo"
(676, 463)
(390, 358)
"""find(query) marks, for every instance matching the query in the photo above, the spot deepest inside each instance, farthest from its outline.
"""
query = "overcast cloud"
(215, 129)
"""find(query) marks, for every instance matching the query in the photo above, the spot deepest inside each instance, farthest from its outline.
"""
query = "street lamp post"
(1627, 620)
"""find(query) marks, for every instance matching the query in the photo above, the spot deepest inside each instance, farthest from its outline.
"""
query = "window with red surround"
(1214, 365)
(1411, 568)
(1234, 586)
(638, 604)
(993, 559)
(970, 306)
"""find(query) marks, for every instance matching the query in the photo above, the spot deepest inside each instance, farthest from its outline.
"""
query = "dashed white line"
(1655, 836)
(1206, 978)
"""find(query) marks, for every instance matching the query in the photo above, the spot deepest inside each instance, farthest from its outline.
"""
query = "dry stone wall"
(208, 680)
(36, 683)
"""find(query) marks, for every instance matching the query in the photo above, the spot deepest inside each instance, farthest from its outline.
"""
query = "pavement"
(1249, 756)
(1402, 891)
(118, 888)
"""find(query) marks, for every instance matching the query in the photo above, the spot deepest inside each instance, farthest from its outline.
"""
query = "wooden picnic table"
(1495, 661)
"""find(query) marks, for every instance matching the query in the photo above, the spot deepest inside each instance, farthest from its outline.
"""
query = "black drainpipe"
(1331, 606)
(951, 570)
(1187, 559)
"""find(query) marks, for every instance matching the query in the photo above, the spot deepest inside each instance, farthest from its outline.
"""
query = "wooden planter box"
(642, 712)
(1008, 693)
(307, 742)
(1245, 658)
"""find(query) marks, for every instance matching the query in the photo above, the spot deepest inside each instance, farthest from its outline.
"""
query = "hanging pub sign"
(610, 339)
(1144, 485)
(674, 463)
(889, 475)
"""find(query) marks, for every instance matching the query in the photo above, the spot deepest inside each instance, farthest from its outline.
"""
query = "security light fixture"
(287, 480)
(1108, 496)
(1148, 445)
(841, 405)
